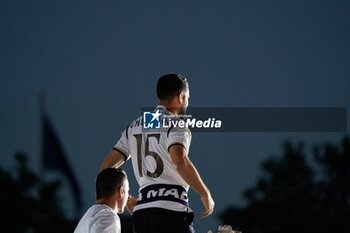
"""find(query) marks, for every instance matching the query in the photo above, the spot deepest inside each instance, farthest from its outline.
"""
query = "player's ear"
(179, 97)
(121, 192)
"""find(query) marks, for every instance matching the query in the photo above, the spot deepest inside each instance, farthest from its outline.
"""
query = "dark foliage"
(296, 195)
(30, 205)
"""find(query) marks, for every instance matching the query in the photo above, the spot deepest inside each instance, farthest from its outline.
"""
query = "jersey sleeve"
(122, 145)
(179, 136)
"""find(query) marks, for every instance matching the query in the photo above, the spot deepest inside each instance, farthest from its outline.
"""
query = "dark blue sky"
(98, 63)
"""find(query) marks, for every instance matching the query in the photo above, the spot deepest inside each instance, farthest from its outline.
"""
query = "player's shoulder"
(179, 127)
(134, 124)
(106, 221)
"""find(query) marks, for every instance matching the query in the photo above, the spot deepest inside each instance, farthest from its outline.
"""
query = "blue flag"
(54, 158)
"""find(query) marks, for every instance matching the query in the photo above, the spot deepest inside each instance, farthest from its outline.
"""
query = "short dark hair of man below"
(170, 85)
(108, 181)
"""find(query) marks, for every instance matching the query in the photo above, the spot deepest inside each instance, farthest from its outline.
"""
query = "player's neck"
(111, 202)
(169, 105)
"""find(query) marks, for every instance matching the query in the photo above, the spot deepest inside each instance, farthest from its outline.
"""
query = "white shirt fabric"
(143, 146)
(99, 218)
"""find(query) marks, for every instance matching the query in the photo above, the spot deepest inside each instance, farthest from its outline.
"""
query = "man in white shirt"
(161, 165)
(112, 192)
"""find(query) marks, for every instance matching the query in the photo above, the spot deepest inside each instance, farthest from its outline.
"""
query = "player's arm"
(189, 173)
(118, 155)
(114, 159)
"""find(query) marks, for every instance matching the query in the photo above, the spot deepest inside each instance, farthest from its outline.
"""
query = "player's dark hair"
(108, 181)
(170, 85)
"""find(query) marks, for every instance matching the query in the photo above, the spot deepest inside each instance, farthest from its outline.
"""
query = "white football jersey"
(160, 183)
(99, 218)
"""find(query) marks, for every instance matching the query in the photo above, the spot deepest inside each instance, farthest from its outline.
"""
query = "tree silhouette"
(30, 205)
(297, 195)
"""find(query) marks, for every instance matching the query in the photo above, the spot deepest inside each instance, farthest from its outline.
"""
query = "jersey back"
(149, 152)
